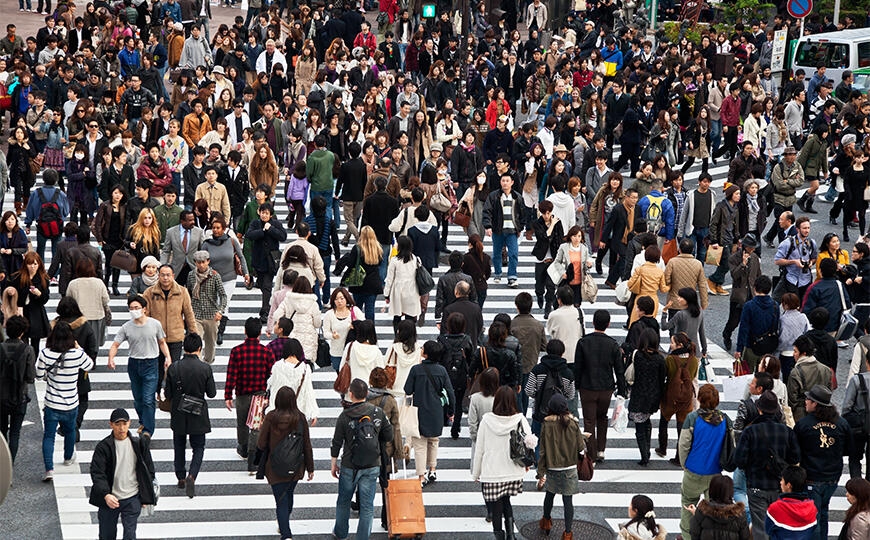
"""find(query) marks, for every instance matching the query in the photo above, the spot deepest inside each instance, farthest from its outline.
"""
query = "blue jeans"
(336, 362)
(163, 91)
(699, 235)
(67, 421)
(349, 481)
(143, 383)
(283, 493)
(718, 276)
(740, 494)
(176, 181)
(128, 510)
(716, 133)
(402, 48)
(383, 267)
(366, 302)
(509, 240)
(40, 245)
(21, 4)
(320, 290)
(821, 493)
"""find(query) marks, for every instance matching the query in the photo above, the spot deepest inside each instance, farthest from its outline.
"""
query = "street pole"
(836, 12)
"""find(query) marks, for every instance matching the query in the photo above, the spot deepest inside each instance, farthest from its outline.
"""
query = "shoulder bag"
(589, 289)
(342, 382)
(848, 322)
(124, 260)
(767, 342)
(438, 201)
(356, 276)
(520, 454)
(323, 357)
(390, 369)
(585, 468)
(425, 283)
(189, 404)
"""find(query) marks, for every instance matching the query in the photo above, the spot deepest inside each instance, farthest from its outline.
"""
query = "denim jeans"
(128, 510)
(283, 493)
(176, 181)
(11, 420)
(384, 262)
(143, 383)
(740, 492)
(29, 6)
(336, 362)
(759, 500)
(698, 236)
(509, 240)
(715, 134)
(179, 444)
(67, 421)
(349, 481)
(320, 290)
(40, 246)
(718, 276)
(821, 493)
(366, 302)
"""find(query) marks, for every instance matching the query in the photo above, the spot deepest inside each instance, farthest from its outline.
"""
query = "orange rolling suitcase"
(406, 515)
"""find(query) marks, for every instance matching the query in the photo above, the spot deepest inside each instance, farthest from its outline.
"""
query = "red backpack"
(50, 222)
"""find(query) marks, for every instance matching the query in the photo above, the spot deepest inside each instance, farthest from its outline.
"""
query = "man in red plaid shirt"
(247, 372)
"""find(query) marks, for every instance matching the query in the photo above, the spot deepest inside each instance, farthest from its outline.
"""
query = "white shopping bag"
(733, 388)
(619, 418)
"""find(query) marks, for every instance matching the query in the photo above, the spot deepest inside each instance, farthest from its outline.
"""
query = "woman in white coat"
(572, 261)
(300, 306)
(400, 288)
(294, 373)
(404, 354)
(363, 355)
(500, 478)
(480, 404)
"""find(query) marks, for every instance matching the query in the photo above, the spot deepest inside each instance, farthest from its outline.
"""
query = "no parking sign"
(799, 8)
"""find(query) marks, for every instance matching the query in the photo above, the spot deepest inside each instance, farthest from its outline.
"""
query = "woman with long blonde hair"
(264, 168)
(369, 254)
(143, 237)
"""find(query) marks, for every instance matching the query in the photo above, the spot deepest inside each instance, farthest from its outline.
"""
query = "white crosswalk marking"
(232, 504)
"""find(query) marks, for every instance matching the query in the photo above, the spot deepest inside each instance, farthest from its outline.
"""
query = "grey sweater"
(692, 326)
(221, 250)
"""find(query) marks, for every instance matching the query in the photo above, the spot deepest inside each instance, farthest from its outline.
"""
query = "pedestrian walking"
(294, 372)
(122, 476)
(718, 516)
(208, 300)
(647, 390)
(18, 370)
(188, 382)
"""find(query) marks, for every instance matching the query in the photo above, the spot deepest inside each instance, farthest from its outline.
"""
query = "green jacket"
(167, 217)
(814, 157)
(559, 446)
(319, 170)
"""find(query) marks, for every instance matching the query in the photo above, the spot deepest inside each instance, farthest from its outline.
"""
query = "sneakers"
(70, 461)
(496, 279)
(429, 479)
(48, 476)
(512, 283)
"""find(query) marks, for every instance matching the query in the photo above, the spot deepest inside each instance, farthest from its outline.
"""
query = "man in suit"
(616, 234)
(511, 78)
(78, 35)
(235, 179)
(617, 103)
(197, 380)
(181, 242)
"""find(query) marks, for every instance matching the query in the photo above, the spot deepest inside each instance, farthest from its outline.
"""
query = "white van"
(839, 51)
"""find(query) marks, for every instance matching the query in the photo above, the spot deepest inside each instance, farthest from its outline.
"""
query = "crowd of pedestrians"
(169, 138)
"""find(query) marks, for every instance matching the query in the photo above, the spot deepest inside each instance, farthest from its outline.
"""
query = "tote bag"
(409, 422)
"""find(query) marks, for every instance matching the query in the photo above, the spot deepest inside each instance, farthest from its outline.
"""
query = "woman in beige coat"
(648, 280)
(306, 69)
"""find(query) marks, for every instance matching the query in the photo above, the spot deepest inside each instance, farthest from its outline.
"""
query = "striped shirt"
(62, 392)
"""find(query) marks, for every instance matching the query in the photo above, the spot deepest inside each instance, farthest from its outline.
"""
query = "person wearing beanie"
(724, 233)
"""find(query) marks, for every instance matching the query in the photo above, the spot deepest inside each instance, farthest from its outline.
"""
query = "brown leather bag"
(585, 468)
(342, 382)
(390, 369)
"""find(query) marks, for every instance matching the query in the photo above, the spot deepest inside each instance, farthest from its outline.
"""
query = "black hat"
(119, 414)
(749, 241)
(768, 403)
(820, 394)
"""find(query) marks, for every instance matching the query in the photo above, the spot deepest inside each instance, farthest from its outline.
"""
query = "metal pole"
(836, 12)
(653, 15)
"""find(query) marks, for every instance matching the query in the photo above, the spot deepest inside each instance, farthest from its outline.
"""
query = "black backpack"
(552, 385)
(455, 361)
(49, 223)
(288, 456)
(12, 374)
(365, 448)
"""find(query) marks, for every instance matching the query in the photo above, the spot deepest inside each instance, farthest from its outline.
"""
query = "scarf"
(629, 226)
(200, 279)
(469, 148)
(713, 417)
(149, 281)
(752, 201)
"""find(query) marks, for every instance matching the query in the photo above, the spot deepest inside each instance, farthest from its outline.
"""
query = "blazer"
(173, 254)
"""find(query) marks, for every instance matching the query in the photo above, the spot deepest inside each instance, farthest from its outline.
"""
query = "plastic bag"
(623, 295)
(619, 418)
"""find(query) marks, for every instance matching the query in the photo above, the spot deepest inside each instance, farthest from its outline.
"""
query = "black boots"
(642, 433)
(805, 203)
(540, 301)
(509, 529)
(222, 325)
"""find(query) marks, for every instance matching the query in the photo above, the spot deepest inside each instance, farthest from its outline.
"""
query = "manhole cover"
(583, 530)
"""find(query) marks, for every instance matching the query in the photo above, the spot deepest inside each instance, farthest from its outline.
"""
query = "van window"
(864, 54)
(833, 55)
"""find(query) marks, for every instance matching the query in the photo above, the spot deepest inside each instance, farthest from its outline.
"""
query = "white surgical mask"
(135, 313)
(481, 180)
(80, 156)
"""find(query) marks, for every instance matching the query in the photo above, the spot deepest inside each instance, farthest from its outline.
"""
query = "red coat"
(391, 7)
(368, 41)
(730, 111)
(160, 179)
(492, 111)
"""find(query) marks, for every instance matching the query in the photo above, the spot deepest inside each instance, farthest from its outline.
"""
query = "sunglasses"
(238, 106)
(95, 126)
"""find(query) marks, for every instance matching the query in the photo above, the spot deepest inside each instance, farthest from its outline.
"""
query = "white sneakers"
(48, 476)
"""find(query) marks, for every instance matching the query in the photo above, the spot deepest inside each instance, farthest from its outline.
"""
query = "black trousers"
(734, 312)
(543, 284)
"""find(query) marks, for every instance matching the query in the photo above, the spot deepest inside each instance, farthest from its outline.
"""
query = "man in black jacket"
(617, 228)
(617, 103)
(350, 186)
(266, 234)
(597, 360)
(503, 221)
(511, 77)
(471, 311)
(123, 477)
(192, 378)
(379, 210)
(444, 292)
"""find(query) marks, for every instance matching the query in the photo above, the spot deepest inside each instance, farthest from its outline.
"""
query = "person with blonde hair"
(143, 236)
(369, 253)
(9, 304)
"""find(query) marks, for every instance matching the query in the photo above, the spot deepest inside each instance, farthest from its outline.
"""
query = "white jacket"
(563, 208)
(363, 358)
(297, 377)
(492, 455)
(403, 361)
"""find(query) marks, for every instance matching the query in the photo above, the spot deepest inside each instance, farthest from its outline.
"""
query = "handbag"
(36, 163)
(623, 295)
(629, 371)
(257, 410)
(409, 421)
(585, 468)
(425, 283)
(356, 276)
(461, 217)
(589, 289)
(390, 369)
(669, 250)
(438, 201)
(323, 357)
(767, 342)
(189, 404)
(726, 454)
(848, 322)
(649, 153)
(520, 454)
(342, 382)
(124, 260)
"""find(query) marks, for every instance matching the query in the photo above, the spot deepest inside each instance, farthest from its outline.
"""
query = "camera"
(805, 267)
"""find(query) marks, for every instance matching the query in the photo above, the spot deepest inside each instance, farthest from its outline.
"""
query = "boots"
(642, 434)
(568, 535)
(545, 524)
(220, 333)
(808, 207)
(499, 535)
(540, 301)
(18, 208)
(802, 202)
(509, 529)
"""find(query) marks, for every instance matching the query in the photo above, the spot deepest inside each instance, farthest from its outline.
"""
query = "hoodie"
(563, 208)
(492, 459)
(363, 358)
(718, 520)
(792, 516)
(344, 429)
(538, 376)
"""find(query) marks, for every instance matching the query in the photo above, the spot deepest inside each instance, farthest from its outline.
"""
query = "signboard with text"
(777, 59)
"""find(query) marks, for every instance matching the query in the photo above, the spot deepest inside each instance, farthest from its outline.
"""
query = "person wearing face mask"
(146, 340)
(81, 199)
